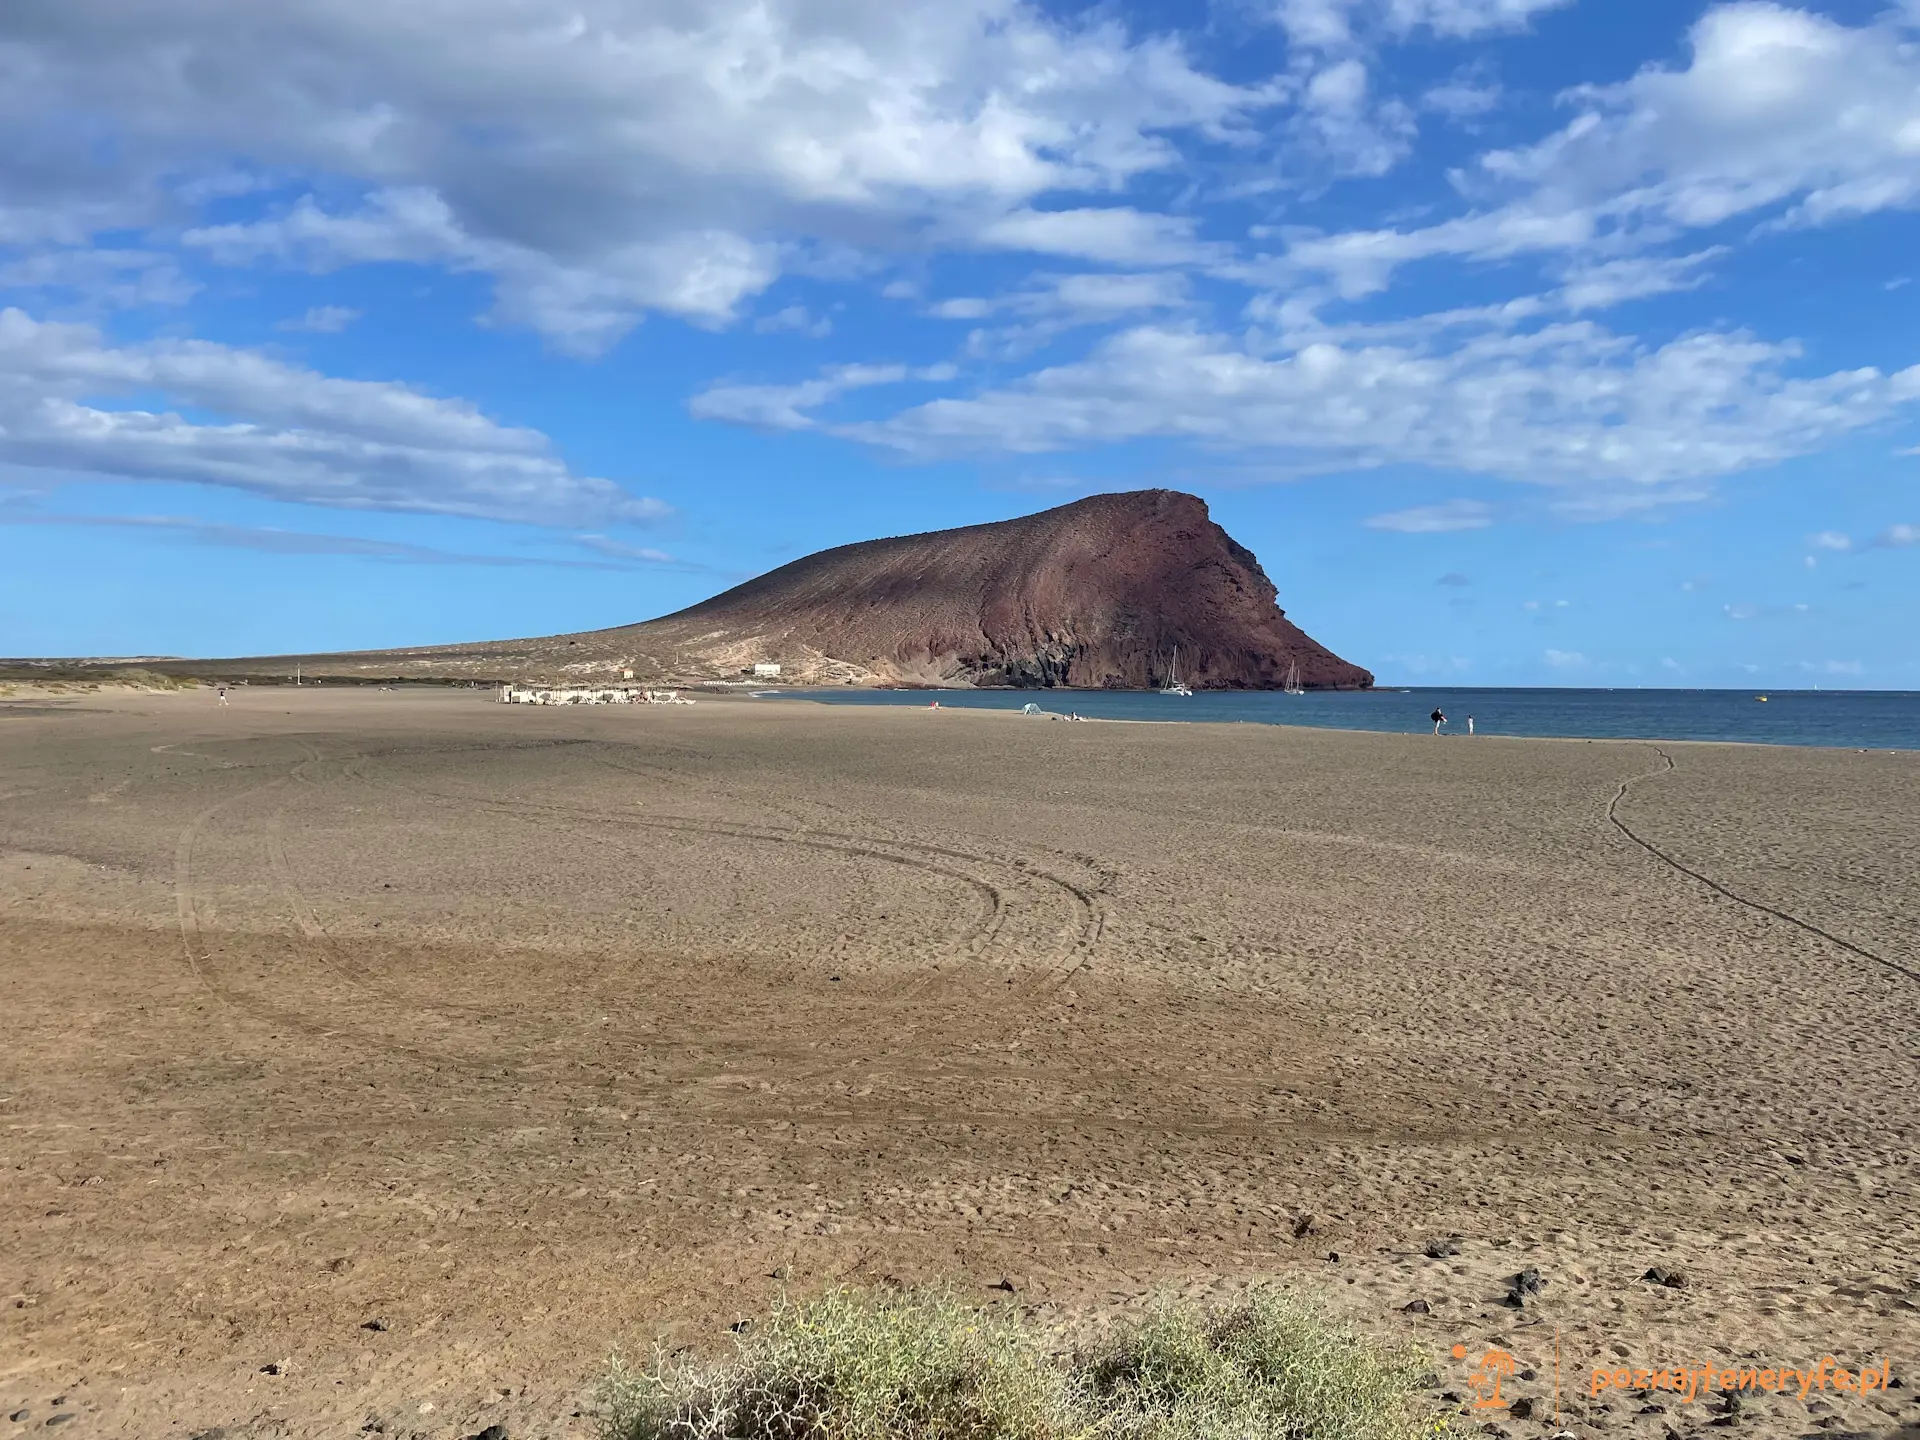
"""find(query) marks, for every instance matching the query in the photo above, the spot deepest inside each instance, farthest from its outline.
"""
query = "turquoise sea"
(1856, 719)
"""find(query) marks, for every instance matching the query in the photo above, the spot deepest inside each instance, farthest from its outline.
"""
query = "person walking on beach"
(223, 694)
(1439, 718)
(1469, 725)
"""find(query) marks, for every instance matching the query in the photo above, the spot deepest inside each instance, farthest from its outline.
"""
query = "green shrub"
(1265, 1367)
(856, 1365)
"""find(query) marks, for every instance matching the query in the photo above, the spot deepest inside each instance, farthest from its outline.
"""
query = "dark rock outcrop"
(1101, 593)
(1097, 594)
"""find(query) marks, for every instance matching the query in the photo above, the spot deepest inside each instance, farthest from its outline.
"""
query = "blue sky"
(1525, 341)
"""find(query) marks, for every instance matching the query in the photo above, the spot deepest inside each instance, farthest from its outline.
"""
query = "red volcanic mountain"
(1096, 594)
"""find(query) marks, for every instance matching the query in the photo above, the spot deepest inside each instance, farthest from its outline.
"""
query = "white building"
(766, 670)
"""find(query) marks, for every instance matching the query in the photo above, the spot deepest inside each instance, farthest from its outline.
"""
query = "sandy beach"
(383, 1061)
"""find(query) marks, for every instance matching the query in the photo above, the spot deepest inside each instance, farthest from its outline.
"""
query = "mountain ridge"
(1098, 593)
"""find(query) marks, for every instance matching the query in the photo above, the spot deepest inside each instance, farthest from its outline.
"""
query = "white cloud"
(1332, 24)
(1897, 537)
(1054, 304)
(600, 160)
(785, 407)
(1620, 424)
(1603, 284)
(103, 276)
(1464, 97)
(1117, 235)
(1361, 135)
(583, 307)
(322, 320)
(795, 318)
(1448, 516)
(1564, 659)
(621, 550)
(1353, 129)
(273, 540)
(1830, 540)
(1780, 110)
(284, 432)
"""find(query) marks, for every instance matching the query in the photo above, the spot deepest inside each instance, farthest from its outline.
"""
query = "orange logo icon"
(1485, 1381)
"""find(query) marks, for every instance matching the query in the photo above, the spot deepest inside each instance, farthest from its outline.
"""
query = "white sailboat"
(1173, 685)
(1293, 686)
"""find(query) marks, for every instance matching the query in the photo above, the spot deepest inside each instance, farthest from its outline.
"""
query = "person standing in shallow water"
(1439, 718)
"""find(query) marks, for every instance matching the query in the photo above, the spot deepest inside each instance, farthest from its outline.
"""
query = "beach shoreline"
(393, 1056)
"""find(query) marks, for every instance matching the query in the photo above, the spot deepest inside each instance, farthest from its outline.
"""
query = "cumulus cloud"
(612, 159)
(1464, 97)
(1571, 404)
(785, 407)
(1332, 24)
(1055, 304)
(1363, 135)
(1118, 235)
(605, 159)
(122, 279)
(582, 306)
(1780, 112)
(1356, 130)
(283, 431)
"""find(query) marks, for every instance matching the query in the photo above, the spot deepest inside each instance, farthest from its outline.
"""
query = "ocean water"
(1855, 719)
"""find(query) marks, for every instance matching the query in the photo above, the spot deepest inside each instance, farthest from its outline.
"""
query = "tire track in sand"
(193, 941)
(1087, 926)
(969, 939)
(186, 904)
(331, 956)
(1760, 906)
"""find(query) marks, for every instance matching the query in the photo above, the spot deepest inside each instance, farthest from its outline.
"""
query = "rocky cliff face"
(1096, 594)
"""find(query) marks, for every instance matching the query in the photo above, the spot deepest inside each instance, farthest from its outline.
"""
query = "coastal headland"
(1120, 591)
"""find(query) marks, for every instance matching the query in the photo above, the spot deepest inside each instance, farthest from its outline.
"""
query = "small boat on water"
(1174, 685)
(1293, 686)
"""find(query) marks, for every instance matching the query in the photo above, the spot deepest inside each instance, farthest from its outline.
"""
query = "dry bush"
(860, 1365)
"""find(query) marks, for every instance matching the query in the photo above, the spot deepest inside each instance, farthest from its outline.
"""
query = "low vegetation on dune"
(63, 679)
(154, 680)
(879, 1365)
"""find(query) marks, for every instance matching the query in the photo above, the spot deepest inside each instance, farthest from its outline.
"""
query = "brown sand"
(524, 1033)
